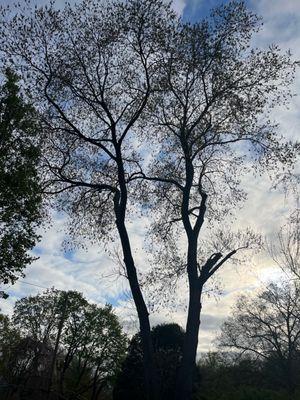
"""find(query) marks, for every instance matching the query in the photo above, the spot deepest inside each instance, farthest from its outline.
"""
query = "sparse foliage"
(107, 77)
(212, 121)
(90, 69)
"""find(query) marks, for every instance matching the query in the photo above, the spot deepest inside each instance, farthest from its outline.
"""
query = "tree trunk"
(151, 381)
(120, 205)
(188, 364)
(60, 327)
(291, 387)
(94, 387)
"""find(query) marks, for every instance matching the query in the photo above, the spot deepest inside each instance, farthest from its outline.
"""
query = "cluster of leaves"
(20, 198)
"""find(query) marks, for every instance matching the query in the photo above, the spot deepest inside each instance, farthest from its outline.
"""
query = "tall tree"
(20, 198)
(268, 327)
(90, 69)
(211, 118)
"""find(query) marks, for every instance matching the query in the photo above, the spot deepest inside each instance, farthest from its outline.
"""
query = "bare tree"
(90, 69)
(267, 326)
(211, 119)
(285, 247)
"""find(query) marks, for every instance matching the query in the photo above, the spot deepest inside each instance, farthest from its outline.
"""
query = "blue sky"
(194, 10)
(93, 271)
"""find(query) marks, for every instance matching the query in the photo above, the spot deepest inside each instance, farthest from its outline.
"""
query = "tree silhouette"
(211, 119)
(91, 344)
(90, 347)
(106, 78)
(168, 342)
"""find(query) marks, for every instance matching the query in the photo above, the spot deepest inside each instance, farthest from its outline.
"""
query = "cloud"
(179, 6)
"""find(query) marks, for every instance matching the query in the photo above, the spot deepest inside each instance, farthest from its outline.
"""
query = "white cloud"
(277, 9)
(179, 5)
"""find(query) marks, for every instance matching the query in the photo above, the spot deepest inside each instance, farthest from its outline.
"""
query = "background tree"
(268, 327)
(20, 196)
(90, 69)
(8, 338)
(94, 346)
(168, 342)
(91, 347)
(211, 119)
(238, 377)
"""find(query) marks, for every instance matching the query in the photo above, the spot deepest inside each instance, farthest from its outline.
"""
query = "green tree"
(8, 337)
(225, 376)
(20, 198)
(67, 346)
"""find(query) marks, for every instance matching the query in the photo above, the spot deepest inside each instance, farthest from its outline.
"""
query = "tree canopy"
(20, 195)
(90, 69)
(168, 343)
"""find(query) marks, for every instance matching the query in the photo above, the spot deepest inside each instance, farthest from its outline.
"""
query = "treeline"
(58, 346)
(244, 378)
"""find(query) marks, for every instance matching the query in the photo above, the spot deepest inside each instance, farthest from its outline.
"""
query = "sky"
(93, 271)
